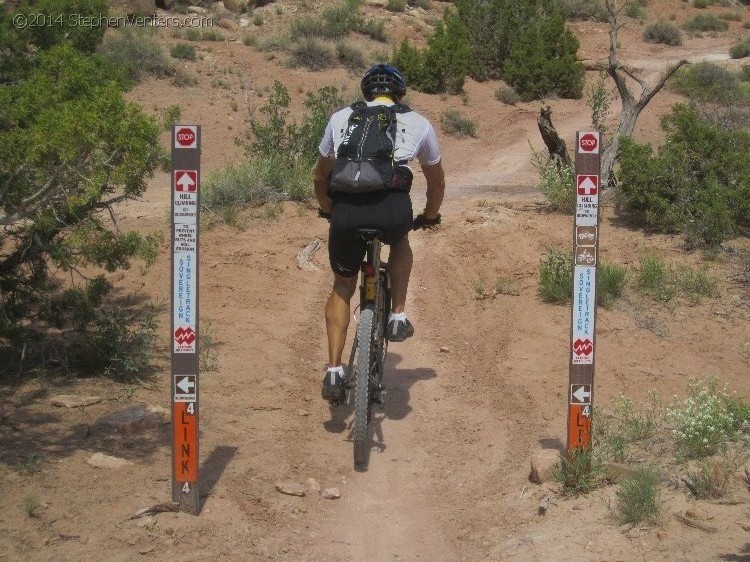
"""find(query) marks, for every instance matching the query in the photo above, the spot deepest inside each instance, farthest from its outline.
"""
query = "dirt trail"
(448, 473)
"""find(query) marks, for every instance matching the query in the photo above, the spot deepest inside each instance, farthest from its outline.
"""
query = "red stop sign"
(589, 143)
(185, 137)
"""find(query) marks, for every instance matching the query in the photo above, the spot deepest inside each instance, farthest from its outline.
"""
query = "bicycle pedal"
(380, 398)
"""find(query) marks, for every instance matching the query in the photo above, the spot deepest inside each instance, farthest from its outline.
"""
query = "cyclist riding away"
(362, 180)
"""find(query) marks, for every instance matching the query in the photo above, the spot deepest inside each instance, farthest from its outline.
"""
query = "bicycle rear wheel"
(362, 398)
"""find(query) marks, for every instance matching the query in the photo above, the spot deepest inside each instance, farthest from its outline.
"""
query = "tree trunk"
(558, 151)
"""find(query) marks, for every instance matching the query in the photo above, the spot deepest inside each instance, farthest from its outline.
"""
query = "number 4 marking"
(191, 408)
(186, 488)
(586, 411)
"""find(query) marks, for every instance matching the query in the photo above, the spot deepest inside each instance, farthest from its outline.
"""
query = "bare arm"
(320, 180)
(435, 177)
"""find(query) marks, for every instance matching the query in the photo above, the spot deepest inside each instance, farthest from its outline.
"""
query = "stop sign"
(589, 143)
(185, 137)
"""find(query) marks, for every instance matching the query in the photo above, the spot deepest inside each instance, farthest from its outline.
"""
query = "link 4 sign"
(185, 329)
(583, 308)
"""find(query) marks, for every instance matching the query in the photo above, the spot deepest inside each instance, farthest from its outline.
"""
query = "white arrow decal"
(185, 385)
(580, 394)
(186, 182)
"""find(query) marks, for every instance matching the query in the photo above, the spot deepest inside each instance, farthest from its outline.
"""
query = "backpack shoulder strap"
(358, 105)
(401, 108)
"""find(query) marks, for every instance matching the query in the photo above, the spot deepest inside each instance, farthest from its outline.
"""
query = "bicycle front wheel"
(362, 398)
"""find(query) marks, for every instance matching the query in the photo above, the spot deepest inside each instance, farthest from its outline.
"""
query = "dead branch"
(696, 524)
(556, 147)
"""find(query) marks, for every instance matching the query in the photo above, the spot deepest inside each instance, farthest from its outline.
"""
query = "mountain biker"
(389, 211)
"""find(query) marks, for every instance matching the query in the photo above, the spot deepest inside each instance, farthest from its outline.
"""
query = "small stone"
(303, 413)
(100, 460)
(313, 485)
(445, 350)
(290, 488)
(73, 401)
(330, 494)
(196, 10)
(231, 25)
(543, 462)
(244, 22)
(473, 217)
(147, 550)
(133, 420)
(146, 522)
(617, 472)
(661, 535)
(633, 534)
(236, 6)
(698, 514)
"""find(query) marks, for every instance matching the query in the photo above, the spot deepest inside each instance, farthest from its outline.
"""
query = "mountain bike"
(364, 373)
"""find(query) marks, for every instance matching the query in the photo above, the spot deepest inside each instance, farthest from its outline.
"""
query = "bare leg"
(399, 267)
(337, 316)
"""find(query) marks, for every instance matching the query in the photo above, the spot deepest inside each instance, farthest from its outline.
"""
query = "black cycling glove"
(323, 215)
(421, 221)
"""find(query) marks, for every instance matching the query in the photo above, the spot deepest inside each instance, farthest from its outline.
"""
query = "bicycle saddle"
(369, 233)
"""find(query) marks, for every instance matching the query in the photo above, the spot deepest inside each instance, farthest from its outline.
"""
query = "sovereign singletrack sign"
(184, 333)
(583, 309)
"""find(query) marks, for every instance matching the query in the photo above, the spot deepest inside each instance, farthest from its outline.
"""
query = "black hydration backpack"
(364, 161)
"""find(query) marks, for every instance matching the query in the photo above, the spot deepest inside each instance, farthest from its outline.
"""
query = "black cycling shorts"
(390, 212)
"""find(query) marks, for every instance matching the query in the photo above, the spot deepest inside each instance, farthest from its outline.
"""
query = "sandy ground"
(448, 474)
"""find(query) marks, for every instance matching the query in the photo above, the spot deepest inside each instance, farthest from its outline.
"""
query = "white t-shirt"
(415, 137)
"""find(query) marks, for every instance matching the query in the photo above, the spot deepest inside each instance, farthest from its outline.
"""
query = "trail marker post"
(185, 333)
(583, 309)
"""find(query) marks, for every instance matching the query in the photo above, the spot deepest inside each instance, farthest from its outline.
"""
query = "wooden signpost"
(185, 333)
(583, 310)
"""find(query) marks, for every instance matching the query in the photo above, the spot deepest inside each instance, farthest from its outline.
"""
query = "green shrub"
(542, 62)
(183, 51)
(424, 4)
(709, 82)
(134, 53)
(701, 4)
(193, 34)
(350, 56)
(556, 276)
(443, 65)
(633, 10)
(313, 54)
(211, 35)
(638, 497)
(255, 183)
(703, 422)
(610, 283)
(67, 17)
(170, 116)
(30, 505)
(396, 5)
(661, 32)
(698, 183)
(581, 471)
(507, 95)
(705, 22)
(730, 16)
(741, 49)
(250, 40)
(455, 124)
(711, 477)
(558, 186)
(374, 29)
(578, 10)
(615, 434)
(337, 21)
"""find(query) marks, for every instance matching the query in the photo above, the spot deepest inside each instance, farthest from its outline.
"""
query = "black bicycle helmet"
(383, 79)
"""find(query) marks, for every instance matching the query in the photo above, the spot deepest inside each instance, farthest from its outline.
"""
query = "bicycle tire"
(362, 398)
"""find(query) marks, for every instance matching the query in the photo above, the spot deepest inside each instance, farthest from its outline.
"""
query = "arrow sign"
(184, 388)
(185, 385)
(580, 393)
(588, 185)
(186, 180)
